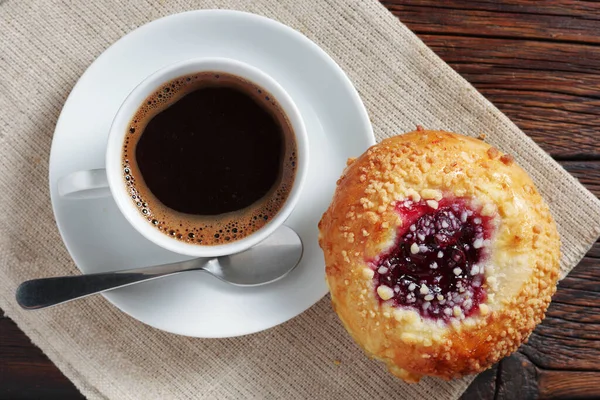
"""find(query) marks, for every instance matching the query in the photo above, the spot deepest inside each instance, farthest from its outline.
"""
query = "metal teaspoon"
(266, 262)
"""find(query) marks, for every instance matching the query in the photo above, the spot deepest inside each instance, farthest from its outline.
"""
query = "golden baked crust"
(362, 222)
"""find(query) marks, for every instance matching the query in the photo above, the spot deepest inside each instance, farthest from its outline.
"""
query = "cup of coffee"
(205, 157)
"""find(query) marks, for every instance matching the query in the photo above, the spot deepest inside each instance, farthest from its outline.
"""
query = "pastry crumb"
(507, 159)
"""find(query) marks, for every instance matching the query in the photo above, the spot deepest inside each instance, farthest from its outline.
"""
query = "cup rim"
(133, 101)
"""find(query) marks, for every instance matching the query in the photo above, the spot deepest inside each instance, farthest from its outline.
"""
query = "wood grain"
(567, 21)
(25, 372)
(587, 172)
(568, 385)
(539, 62)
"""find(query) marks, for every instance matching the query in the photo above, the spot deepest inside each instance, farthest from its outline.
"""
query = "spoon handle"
(41, 293)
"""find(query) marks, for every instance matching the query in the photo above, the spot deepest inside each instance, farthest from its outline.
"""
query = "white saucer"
(99, 238)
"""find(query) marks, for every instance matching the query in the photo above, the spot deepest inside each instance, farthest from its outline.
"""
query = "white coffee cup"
(83, 185)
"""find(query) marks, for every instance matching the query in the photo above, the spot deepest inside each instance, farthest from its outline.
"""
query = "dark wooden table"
(539, 62)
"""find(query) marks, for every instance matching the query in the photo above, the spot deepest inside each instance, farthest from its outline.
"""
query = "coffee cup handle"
(90, 184)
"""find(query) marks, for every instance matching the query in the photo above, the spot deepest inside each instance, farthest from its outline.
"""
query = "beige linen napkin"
(46, 45)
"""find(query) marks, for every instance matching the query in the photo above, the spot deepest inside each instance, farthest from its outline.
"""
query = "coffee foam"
(198, 229)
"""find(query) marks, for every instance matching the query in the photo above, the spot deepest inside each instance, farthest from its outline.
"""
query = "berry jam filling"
(436, 265)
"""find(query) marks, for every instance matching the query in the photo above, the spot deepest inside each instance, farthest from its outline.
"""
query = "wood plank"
(567, 384)
(594, 251)
(587, 172)
(502, 53)
(567, 8)
(484, 386)
(569, 338)
(517, 378)
(528, 58)
(551, 91)
(526, 20)
(25, 372)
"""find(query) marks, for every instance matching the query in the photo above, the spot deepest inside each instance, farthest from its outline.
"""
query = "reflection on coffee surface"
(209, 158)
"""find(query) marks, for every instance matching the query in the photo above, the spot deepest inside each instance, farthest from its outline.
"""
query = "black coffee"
(210, 158)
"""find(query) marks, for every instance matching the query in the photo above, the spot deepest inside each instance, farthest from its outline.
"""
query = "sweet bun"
(441, 256)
